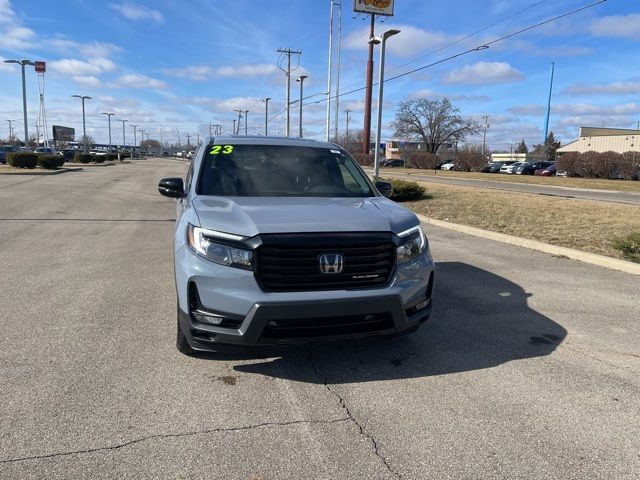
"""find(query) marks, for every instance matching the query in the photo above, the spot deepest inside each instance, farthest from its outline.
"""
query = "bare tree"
(432, 122)
(150, 143)
(351, 143)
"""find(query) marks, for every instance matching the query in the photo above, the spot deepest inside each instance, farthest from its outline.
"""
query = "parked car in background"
(439, 163)
(4, 149)
(393, 163)
(47, 150)
(528, 168)
(549, 171)
(447, 166)
(508, 168)
(493, 167)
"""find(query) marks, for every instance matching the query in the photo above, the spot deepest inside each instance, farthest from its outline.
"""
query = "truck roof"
(268, 140)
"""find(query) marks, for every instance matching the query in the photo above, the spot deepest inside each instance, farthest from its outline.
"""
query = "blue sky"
(178, 65)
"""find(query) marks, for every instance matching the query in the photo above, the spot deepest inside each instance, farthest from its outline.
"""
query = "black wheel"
(181, 341)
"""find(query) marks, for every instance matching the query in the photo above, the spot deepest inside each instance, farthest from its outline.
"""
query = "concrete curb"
(41, 173)
(592, 258)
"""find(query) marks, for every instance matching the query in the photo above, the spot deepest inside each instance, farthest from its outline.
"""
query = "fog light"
(206, 317)
(422, 305)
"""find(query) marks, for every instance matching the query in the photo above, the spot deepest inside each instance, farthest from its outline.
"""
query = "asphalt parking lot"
(529, 367)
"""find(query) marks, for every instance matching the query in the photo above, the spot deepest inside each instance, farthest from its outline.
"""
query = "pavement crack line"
(350, 416)
(173, 435)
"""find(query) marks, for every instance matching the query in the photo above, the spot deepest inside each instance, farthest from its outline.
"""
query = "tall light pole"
(11, 131)
(23, 63)
(109, 117)
(383, 41)
(246, 117)
(328, 125)
(135, 139)
(266, 115)
(124, 136)
(84, 125)
(546, 118)
(142, 135)
(300, 79)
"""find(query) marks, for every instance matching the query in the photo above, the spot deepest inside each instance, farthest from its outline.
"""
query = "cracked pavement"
(529, 367)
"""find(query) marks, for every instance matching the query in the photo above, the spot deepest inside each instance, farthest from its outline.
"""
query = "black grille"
(328, 326)
(288, 263)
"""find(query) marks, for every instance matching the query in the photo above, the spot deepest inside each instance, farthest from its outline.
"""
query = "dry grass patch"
(595, 183)
(580, 224)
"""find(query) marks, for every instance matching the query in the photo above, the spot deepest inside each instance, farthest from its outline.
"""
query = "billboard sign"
(377, 7)
(41, 67)
(63, 134)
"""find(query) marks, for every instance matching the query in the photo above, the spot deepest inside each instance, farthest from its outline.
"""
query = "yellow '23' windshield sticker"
(224, 149)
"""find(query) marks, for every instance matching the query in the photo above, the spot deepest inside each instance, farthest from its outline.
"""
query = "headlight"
(202, 242)
(413, 247)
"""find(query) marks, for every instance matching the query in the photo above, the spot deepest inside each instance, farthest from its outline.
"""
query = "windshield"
(275, 171)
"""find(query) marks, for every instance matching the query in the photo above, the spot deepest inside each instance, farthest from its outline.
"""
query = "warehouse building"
(595, 139)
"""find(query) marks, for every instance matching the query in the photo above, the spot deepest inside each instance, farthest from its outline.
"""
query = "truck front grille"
(286, 263)
(330, 326)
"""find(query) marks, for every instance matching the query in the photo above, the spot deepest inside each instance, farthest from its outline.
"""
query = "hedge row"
(601, 165)
(413, 159)
(22, 159)
(50, 162)
(93, 158)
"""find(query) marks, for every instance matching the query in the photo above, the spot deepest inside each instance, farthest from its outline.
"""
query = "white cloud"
(253, 104)
(6, 12)
(87, 81)
(619, 26)
(409, 42)
(134, 11)
(427, 93)
(80, 67)
(16, 38)
(90, 49)
(136, 80)
(204, 72)
(579, 109)
(631, 87)
(483, 73)
(6, 67)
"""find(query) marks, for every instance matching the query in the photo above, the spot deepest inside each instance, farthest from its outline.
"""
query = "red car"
(550, 171)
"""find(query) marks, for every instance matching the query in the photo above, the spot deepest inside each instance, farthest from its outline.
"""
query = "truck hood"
(250, 216)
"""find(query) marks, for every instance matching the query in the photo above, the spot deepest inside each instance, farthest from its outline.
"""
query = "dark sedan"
(529, 168)
(491, 168)
(550, 171)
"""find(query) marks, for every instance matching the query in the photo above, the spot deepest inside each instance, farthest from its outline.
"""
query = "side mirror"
(385, 188)
(172, 187)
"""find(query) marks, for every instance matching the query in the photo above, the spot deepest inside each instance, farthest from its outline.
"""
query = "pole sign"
(63, 134)
(41, 67)
(376, 7)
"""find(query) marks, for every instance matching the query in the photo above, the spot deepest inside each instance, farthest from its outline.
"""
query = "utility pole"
(246, 117)
(484, 135)
(546, 119)
(11, 131)
(328, 123)
(347, 112)
(266, 115)
(188, 135)
(337, 109)
(366, 138)
(218, 128)
(237, 132)
(234, 126)
(288, 52)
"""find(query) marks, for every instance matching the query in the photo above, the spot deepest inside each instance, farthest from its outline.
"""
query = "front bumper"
(253, 317)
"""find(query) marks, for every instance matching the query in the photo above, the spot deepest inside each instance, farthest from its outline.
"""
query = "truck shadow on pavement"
(480, 320)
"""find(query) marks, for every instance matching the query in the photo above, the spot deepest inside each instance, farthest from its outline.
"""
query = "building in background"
(394, 147)
(517, 157)
(596, 139)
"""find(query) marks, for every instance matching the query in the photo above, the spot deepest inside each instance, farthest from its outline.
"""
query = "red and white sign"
(41, 67)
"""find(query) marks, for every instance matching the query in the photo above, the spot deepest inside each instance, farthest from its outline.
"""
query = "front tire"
(181, 341)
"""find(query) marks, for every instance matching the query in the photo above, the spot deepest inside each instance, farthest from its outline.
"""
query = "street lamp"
(135, 139)
(84, 125)
(124, 137)
(266, 115)
(142, 136)
(300, 79)
(246, 117)
(109, 117)
(11, 131)
(23, 63)
(374, 41)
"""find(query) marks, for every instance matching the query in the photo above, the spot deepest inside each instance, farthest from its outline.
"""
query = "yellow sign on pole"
(377, 7)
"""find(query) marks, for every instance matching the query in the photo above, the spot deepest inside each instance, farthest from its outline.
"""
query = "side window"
(187, 182)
